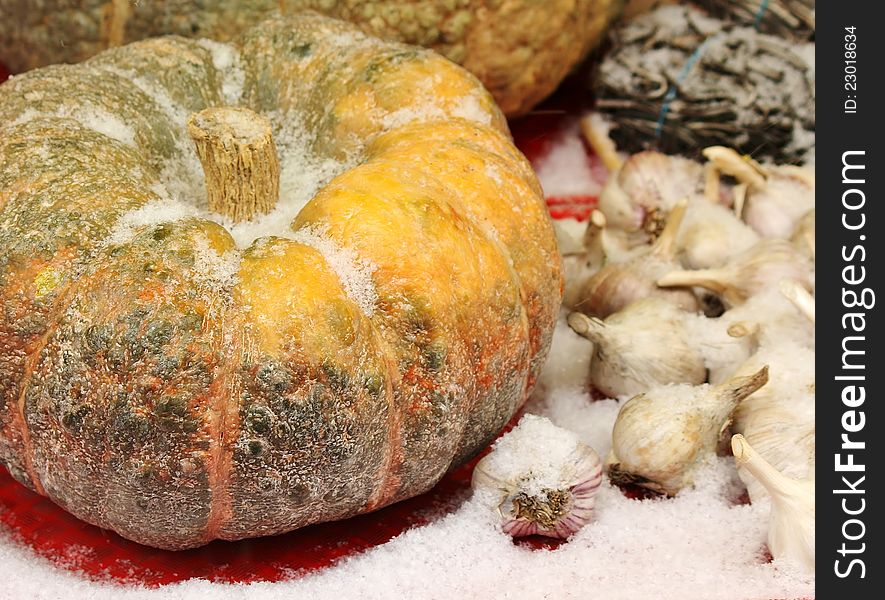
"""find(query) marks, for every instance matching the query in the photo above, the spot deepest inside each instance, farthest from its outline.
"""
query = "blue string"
(672, 91)
(759, 13)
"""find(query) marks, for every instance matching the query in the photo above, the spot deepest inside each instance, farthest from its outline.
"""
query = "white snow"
(699, 545)
(226, 60)
(565, 170)
(354, 273)
(536, 453)
(92, 117)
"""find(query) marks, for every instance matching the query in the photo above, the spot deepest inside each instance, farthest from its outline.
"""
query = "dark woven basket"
(678, 80)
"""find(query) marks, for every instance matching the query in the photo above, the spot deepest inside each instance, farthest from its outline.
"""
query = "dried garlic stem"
(665, 245)
(799, 296)
(602, 144)
(711, 182)
(740, 199)
(742, 168)
(239, 160)
(711, 279)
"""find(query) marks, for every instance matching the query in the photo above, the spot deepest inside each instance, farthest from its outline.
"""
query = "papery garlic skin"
(543, 480)
(779, 418)
(763, 265)
(722, 343)
(791, 522)
(660, 437)
(712, 235)
(774, 210)
(642, 346)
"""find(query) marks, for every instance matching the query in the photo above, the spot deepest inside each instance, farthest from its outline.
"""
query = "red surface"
(100, 554)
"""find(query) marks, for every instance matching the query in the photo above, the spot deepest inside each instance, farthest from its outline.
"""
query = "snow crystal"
(95, 118)
(565, 170)
(535, 451)
(214, 270)
(471, 109)
(152, 213)
(404, 116)
(568, 363)
(226, 60)
(354, 273)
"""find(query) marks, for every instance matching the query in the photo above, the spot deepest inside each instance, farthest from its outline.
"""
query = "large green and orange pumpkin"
(177, 376)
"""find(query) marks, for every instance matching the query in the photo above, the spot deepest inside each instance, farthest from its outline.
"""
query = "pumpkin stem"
(239, 161)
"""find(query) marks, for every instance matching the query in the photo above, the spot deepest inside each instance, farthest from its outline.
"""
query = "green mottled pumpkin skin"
(146, 398)
(519, 49)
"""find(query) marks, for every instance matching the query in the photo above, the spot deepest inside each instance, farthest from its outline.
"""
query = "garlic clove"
(791, 522)
(748, 273)
(541, 480)
(645, 345)
(660, 437)
(618, 284)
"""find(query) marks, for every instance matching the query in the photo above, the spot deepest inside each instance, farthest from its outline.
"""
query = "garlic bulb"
(748, 273)
(803, 235)
(661, 436)
(642, 346)
(711, 235)
(604, 244)
(541, 479)
(775, 210)
(791, 522)
(640, 195)
(618, 284)
(776, 197)
(778, 419)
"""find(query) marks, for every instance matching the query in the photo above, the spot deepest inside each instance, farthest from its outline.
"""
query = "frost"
(565, 170)
(354, 273)
(226, 60)
(91, 117)
(471, 109)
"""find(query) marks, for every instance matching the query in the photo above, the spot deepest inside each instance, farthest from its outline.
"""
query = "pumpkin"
(178, 375)
(519, 49)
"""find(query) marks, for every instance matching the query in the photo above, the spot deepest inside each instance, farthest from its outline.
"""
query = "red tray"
(101, 554)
